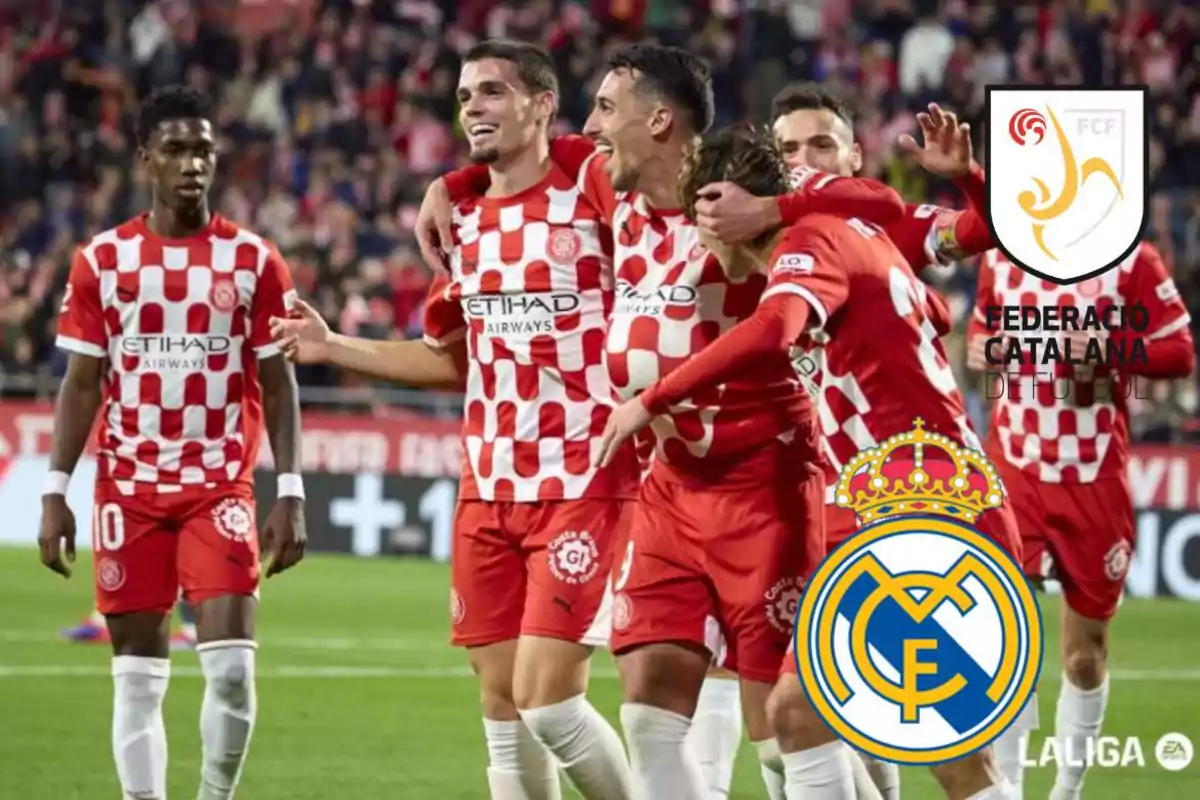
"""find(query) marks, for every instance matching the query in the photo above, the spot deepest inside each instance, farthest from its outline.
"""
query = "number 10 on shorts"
(108, 527)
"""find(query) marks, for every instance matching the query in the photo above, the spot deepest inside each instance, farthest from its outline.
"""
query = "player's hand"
(303, 337)
(946, 150)
(434, 226)
(977, 352)
(625, 421)
(284, 538)
(57, 537)
(729, 213)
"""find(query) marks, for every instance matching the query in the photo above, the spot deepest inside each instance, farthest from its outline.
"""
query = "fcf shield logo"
(1067, 173)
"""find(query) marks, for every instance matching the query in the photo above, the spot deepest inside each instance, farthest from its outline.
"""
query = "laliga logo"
(1023, 123)
(1086, 160)
(919, 640)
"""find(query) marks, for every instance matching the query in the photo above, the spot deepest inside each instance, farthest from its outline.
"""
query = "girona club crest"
(223, 296)
(564, 246)
(1066, 178)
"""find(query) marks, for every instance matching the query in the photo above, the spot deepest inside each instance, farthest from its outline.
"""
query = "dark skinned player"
(165, 318)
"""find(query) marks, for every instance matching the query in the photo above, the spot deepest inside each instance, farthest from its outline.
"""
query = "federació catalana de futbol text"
(1113, 338)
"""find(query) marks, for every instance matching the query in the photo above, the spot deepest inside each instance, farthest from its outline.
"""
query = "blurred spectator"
(334, 114)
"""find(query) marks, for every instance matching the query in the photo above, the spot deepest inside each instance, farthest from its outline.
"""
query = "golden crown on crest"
(919, 472)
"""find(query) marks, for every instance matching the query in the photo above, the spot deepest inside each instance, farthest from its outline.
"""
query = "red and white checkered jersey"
(879, 363)
(181, 323)
(530, 289)
(673, 299)
(1083, 436)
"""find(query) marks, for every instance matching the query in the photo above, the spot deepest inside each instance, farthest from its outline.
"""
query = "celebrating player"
(845, 279)
(166, 319)
(524, 311)
(656, 95)
(1064, 456)
(815, 131)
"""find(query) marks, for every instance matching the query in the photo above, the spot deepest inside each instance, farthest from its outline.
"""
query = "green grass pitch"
(360, 696)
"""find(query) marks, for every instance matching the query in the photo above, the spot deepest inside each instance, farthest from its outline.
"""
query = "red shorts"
(1081, 535)
(535, 569)
(738, 555)
(147, 548)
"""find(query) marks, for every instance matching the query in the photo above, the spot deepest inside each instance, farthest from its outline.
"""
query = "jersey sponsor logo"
(1067, 175)
(233, 519)
(919, 640)
(574, 557)
(653, 301)
(564, 246)
(781, 602)
(223, 296)
(520, 315)
(795, 264)
(167, 353)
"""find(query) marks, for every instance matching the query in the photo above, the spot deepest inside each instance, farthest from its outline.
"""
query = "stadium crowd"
(335, 115)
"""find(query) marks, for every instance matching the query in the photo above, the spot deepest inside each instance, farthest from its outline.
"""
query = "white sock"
(770, 763)
(662, 764)
(874, 779)
(587, 747)
(1012, 746)
(519, 767)
(1080, 714)
(716, 733)
(226, 714)
(139, 739)
(997, 791)
(820, 773)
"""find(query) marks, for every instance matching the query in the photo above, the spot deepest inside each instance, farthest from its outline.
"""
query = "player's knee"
(663, 676)
(548, 671)
(229, 672)
(796, 725)
(1085, 666)
(1085, 654)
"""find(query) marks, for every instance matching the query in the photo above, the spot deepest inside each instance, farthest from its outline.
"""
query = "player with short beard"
(1064, 461)
(166, 319)
(523, 314)
(837, 276)
(646, 114)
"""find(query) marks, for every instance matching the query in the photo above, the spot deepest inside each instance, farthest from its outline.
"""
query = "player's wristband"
(289, 484)
(55, 483)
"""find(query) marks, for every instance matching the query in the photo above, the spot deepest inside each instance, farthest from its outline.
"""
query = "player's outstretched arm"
(929, 234)
(284, 536)
(306, 339)
(75, 410)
